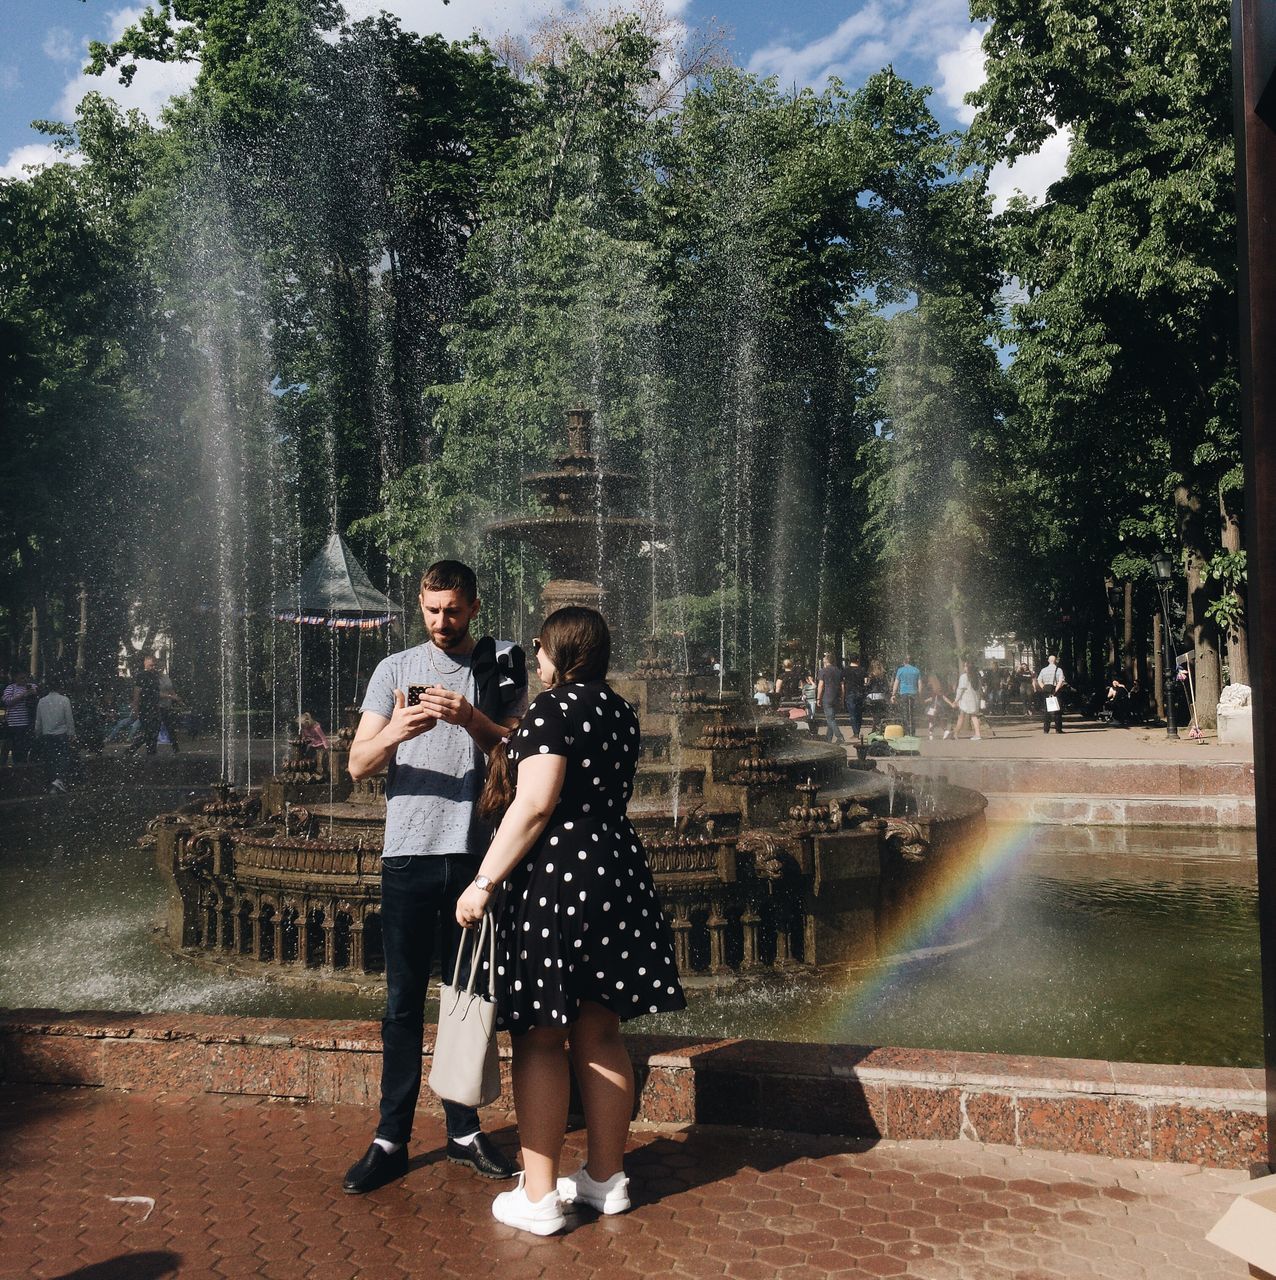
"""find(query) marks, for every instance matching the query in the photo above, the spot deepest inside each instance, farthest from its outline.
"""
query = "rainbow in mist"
(956, 892)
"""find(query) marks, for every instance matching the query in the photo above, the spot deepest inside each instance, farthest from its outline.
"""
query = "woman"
(582, 942)
(968, 695)
(809, 691)
(877, 690)
(310, 731)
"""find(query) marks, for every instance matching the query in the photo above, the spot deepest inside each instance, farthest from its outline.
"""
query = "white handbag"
(466, 1067)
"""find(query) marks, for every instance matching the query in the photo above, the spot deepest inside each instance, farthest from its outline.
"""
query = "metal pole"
(1254, 84)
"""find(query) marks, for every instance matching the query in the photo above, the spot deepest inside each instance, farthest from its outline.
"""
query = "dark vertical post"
(1253, 65)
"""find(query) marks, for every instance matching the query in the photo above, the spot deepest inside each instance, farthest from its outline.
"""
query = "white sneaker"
(948, 733)
(540, 1217)
(976, 738)
(607, 1197)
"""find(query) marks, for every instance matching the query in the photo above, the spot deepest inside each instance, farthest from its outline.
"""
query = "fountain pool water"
(1129, 944)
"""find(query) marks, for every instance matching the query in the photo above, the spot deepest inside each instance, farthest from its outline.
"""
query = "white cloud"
(34, 154)
(10, 78)
(878, 32)
(1031, 175)
(490, 18)
(153, 85)
(60, 45)
(961, 71)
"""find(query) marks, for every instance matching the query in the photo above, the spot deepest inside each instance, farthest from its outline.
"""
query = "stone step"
(1110, 810)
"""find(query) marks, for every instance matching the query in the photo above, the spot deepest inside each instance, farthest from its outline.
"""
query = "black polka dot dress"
(580, 919)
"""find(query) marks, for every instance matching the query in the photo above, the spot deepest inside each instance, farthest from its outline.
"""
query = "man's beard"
(450, 640)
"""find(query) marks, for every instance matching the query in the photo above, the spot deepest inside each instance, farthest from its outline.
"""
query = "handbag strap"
(486, 933)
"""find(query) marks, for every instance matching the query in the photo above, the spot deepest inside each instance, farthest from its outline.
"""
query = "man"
(150, 706)
(854, 688)
(471, 693)
(20, 697)
(55, 729)
(904, 692)
(1049, 684)
(829, 695)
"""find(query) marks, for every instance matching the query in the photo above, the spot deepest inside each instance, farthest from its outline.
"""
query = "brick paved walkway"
(244, 1188)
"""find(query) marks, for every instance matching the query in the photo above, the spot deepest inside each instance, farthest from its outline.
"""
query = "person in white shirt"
(55, 730)
(1050, 682)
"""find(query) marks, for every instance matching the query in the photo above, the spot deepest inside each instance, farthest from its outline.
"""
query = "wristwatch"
(482, 882)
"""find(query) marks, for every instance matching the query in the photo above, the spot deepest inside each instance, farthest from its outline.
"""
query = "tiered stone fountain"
(769, 850)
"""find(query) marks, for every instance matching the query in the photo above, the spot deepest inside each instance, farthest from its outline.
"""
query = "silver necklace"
(438, 669)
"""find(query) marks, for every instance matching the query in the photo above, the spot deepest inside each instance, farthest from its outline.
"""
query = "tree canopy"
(353, 279)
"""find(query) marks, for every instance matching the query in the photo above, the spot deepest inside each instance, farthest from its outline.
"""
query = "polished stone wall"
(1211, 1116)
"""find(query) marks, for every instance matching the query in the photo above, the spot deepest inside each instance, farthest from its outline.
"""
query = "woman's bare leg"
(541, 1087)
(606, 1080)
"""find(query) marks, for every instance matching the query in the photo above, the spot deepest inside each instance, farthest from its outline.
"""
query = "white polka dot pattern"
(600, 924)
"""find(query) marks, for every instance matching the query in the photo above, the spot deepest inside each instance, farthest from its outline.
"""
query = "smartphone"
(414, 694)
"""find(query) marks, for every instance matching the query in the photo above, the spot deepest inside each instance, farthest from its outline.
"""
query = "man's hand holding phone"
(443, 704)
(410, 721)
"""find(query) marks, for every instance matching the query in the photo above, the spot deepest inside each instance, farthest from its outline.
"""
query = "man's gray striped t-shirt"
(433, 781)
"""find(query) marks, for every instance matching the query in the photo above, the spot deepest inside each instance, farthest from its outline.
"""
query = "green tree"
(1125, 363)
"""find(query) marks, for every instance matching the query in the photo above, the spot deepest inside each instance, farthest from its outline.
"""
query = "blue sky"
(43, 42)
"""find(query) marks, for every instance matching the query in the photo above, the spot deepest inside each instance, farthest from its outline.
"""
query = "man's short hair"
(1052, 657)
(451, 575)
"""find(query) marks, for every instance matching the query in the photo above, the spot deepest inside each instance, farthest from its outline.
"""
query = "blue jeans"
(830, 719)
(418, 904)
(855, 709)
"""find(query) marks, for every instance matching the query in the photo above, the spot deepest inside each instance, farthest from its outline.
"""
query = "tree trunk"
(1158, 664)
(1237, 636)
(1202, 631)
(1127, 629)
(959, 624)
(34, 667)
(82, 637)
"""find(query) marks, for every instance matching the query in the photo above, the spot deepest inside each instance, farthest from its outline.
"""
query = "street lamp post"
(1164, 568)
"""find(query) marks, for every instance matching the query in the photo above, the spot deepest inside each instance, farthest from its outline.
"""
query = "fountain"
(770, 851)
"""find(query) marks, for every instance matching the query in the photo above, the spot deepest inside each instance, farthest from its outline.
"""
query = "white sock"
(467, 1141)
(387, 1146)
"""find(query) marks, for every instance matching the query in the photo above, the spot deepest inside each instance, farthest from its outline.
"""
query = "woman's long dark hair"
(578, 643)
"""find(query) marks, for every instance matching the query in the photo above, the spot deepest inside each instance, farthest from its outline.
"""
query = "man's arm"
(819, 691)
(455, 708)
(377, 738)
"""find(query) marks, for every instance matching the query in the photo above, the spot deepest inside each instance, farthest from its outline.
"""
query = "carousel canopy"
(335, 591)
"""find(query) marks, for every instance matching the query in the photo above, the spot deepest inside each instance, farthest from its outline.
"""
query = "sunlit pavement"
(1080, 740)
(104, 1185)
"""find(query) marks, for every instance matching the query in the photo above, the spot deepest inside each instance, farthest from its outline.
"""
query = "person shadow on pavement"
(791, 1093)
(150, 1265)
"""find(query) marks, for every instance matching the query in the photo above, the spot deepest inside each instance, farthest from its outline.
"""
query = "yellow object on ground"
(893, 731)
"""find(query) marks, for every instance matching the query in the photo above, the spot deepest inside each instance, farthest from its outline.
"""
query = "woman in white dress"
(968, 692)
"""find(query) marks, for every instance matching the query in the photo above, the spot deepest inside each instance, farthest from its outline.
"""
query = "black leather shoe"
(482, 1157)
(375, 1169)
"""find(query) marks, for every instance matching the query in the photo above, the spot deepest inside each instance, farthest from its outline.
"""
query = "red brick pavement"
(247, 1188)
